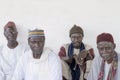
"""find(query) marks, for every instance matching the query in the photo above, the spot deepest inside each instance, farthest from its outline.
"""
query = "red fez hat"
(10, 24)
(105, 37)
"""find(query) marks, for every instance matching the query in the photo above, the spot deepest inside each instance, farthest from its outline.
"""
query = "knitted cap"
(36, 32)
(105, 37)
(76, 29)
(10, 24)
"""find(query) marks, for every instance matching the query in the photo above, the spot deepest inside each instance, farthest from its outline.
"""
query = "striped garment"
(112, 71)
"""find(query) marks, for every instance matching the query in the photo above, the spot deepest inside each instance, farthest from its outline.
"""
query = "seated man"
(10, 52)
(68, 53)
(40, 63)
(106, 66)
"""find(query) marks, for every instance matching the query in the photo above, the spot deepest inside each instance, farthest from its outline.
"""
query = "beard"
(106, 56)
(76, 45)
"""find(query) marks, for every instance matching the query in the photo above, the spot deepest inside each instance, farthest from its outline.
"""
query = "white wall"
(56, 17)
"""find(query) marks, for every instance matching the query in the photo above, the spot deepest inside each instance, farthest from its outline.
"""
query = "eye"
(100, 48)
(14, 32)
(33, 42)
(108, 48)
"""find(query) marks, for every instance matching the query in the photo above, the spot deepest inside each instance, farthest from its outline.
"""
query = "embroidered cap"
(36, 32)
(76, 29)
(105, 37)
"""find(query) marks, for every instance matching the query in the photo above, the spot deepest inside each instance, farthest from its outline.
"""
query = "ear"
(4, 33)
(17, 33)
(71, 39)
(28, 41)
(114, 45)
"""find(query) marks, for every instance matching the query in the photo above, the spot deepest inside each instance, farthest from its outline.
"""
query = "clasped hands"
(80, 57)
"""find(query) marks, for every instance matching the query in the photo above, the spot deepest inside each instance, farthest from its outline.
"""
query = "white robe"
(48, 67)
(93, 75)
(8, 60)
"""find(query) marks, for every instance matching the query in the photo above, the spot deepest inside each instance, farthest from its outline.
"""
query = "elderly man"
(106, 66)
(69, 53)
(40, 63)
(10, 52)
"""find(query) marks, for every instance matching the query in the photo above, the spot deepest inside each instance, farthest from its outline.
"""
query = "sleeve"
(93, 74)
(62, 52)
(55, 67)
(25, 48)
(90, 54)
(1, 72)
(1, 69)
(19, 72)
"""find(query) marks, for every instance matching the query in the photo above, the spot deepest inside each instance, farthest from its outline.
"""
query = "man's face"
(106, 50)
(36, 44)
(11, 33)
(76, 39)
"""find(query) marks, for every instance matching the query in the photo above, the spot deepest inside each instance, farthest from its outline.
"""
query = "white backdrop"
(56, 17)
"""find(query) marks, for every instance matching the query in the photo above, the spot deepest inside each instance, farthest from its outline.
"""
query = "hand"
(76, 58)
(68, 59)
(81, 56)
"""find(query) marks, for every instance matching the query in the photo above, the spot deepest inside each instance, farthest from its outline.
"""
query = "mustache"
(105, 54)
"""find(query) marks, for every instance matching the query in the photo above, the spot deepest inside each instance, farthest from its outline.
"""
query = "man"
(69, 52)
(106, 66)
(40, 63)
(10, 52)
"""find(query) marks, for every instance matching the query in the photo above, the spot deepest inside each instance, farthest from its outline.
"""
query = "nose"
(36, 44)
(104, 51)
(76, 39)
(10, 34)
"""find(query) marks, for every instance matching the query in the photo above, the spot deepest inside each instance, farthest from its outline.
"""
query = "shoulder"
(87, 47)
(65, 45)
(2, 46)
(97, 60)
(21, 45)
(53, 56)
(26, 56)
(49, 51)
(118, 56)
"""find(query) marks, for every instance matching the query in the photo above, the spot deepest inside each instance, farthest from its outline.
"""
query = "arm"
(93, 74)
(1, 74)
(62, 54)
(90, 54)
(55, 67)
(84, 56)
(19, 72)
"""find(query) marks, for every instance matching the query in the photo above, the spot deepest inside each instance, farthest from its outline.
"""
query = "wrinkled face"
(106, 50)
(11, 33)
(76, 39)
(36, 44)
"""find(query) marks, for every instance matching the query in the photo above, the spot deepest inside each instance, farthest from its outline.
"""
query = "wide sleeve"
(1, 62)
(90, 50)
(93, 74)
(1, 72)
(55, 67)
(19, 71)
(90, 54)
(62, 52)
